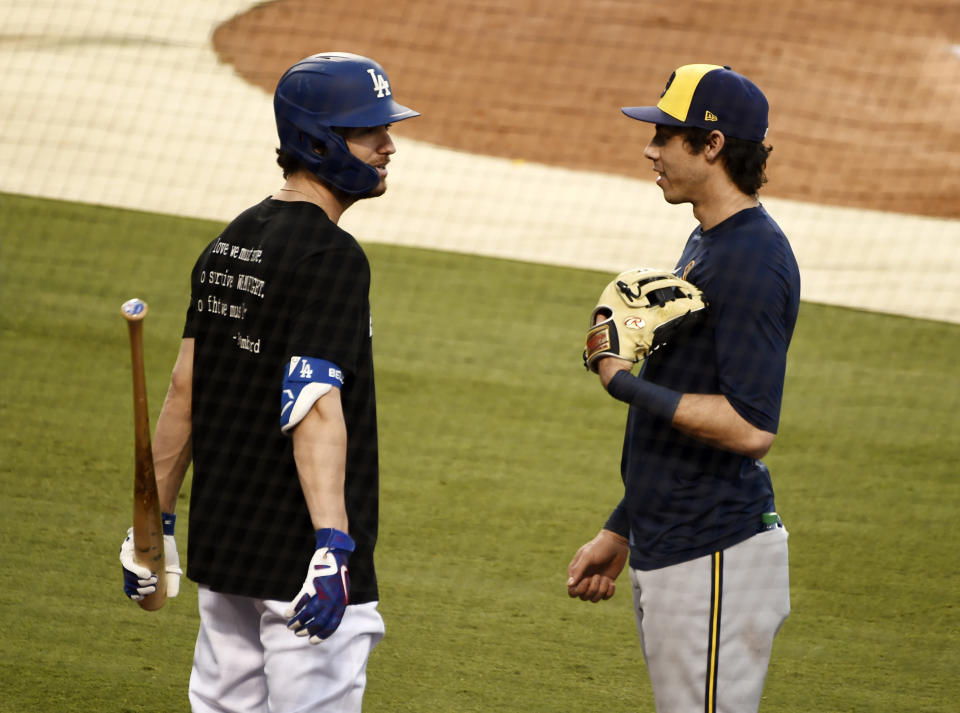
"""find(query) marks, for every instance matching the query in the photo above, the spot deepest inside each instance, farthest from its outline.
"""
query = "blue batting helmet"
(334, 89)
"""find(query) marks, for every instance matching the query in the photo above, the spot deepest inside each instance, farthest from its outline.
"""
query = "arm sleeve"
(618, 521)
(751, 336)
(330, 309)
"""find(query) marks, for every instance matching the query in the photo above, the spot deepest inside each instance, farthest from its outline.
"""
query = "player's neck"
(718, 204)
(300, 187)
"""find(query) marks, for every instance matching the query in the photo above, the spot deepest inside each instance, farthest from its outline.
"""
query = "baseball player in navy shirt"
(272, 400)
(707, 551)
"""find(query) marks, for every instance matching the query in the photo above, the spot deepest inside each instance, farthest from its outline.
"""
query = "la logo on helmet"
(380, 85)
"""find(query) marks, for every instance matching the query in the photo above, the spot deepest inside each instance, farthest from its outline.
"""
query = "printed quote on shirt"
(241, 283)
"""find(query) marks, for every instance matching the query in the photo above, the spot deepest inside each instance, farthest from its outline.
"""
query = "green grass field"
(499, 458)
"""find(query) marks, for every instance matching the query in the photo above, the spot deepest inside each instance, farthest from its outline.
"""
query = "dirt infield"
(864, 105)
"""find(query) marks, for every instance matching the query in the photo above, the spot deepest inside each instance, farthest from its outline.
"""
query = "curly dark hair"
(289, 163)
(744, 161)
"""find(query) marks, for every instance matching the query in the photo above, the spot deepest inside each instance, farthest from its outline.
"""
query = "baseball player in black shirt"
(272, 400)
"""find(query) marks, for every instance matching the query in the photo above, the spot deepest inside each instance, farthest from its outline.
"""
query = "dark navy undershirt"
(682, 498)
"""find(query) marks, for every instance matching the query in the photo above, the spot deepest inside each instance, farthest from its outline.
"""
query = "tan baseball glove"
(642, 309)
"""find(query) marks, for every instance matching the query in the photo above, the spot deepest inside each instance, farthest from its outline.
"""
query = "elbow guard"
(305, 381)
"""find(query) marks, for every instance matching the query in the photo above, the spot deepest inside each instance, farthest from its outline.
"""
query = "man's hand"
(138, 581)
(318, 608)
(596, 565)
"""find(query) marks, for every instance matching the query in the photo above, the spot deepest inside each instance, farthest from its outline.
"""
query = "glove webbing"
(658, 297)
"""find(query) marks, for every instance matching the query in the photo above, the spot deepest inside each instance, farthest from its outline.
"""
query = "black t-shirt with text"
(282, 280)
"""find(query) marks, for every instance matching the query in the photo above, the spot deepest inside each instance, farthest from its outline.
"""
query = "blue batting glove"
(318, 608)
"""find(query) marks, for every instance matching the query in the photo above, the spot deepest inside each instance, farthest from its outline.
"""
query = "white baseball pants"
(707, 626)
(246, 660)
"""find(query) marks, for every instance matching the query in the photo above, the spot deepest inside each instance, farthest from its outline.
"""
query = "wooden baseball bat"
(147, 528)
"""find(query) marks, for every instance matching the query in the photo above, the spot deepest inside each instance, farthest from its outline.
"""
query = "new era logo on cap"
(709, 96)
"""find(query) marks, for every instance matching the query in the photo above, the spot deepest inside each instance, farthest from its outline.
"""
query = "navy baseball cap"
(708, 96)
